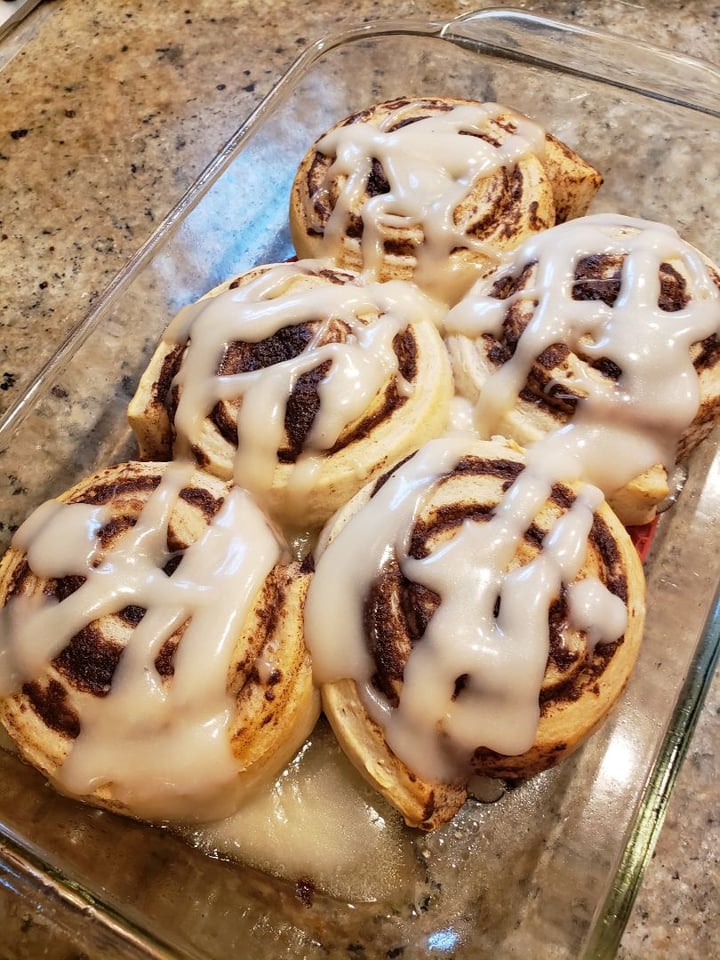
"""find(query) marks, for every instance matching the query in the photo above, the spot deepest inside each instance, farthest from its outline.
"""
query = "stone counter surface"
(109, 109)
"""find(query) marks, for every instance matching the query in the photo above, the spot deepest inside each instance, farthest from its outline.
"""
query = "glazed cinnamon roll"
(604, 332)
(490, 613)
(433, 190)
(299, 381)
(152, 658)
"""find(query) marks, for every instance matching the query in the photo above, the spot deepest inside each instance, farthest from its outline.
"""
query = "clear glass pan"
(550, 870)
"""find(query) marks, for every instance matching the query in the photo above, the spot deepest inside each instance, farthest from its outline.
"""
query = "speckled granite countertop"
(108, 112)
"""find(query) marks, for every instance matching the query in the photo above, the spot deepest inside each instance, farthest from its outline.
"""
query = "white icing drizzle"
(621, 429)
(430, 164)
(618, 432)
(372, 315)
(504, 656)
(165, 748)
(462, 416)
(600, 616)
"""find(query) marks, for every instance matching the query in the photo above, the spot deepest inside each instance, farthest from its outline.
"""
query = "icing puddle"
(319, 821)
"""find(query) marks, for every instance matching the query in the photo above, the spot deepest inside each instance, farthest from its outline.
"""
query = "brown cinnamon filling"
(502, 206)
(302, 407)
(396, 614)
(298, 421)
(162, 392)
(89, 661)
(64, 587)
(303, 403)
(164, 661)
(115, 528)
(285, 344)
(708, 353)
(50, 703)
(132, 614)
(597, 277)
(121, 486)
(203, 502)
(449, 517)
(397, 611)
(272, 600)
(377, 182)
(506, 286)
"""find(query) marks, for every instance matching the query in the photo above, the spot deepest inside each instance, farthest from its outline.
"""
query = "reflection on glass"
(619, 763)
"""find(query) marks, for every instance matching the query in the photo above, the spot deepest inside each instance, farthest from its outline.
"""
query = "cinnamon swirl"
(491, 614)
(299, 381)
(152, 658)
(433, 189)
(607, 323)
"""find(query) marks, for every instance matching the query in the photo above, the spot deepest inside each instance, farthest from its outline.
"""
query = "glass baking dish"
(551, 868)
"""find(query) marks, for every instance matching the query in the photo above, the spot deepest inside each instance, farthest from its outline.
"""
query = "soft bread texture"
(582, 680)
(274, 708)
(270, 679)
(574, 181)
(411, 404)
(557, 380)
(330, 215)
(424, 804)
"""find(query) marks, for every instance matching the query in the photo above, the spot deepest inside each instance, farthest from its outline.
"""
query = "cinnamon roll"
(604, 332)
(490, 613)
(300, 382)
(152, 658)
(434, 190)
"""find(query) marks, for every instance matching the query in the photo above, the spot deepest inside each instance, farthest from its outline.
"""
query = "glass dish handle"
(624, 63)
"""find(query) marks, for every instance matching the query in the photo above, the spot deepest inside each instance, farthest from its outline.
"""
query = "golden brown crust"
(273, 713)
(574, 181)
(582, 681)
(500, 209)
(410, 407)
(557, 379)
(424, 804)
(581, 687)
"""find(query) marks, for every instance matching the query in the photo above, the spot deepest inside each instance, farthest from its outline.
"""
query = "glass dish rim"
(63, 899)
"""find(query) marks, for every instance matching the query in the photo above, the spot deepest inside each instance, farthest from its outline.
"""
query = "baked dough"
(337, 381)
(122, 649)
(575, 296)
(403, 609)
(433, 189)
